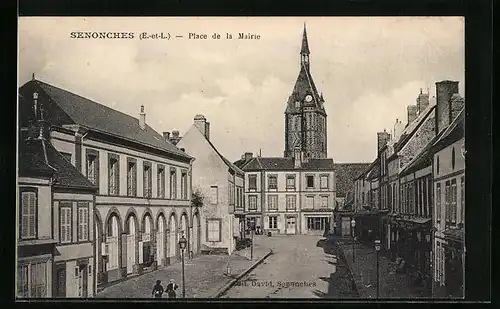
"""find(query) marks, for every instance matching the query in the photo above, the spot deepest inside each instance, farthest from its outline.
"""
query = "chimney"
(457, 104)
(444, 91)
(142, 118)
(412, 113)
(247, 156)
(175, 137)
(166, 136)
(201, 123)
(39, 128)
(398, 129)
(297, 157)
(422, 101)
(382, 139)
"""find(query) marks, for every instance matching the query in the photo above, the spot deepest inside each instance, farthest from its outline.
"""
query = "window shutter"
(32, 206)
(68, 223)
(86, 223)
(80, 223)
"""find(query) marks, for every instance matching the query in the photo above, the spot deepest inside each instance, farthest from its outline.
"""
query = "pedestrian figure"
(157, 289)
(171, 287)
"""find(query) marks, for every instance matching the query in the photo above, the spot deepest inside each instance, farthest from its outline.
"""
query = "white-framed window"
(290, 202)
(114, 175)
(272, 182)
(161, 181)
(252, 182)
(273, 222)
(290, 182)
(272, 202)
(27, 214)
(131, 177)
(214, 192)
(213, 230)
(83, 221)
(324, 202)
(324, 181)
(310, 181)
(173, 184)
(147, 184)
(32, 280)
(65, 222)
(93, 166)
(252, 202)
(310, 202)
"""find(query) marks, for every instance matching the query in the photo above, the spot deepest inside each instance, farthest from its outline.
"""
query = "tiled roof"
(90, 114)
(374, 170)
(38, 155)
(345, 174)
(279, 163)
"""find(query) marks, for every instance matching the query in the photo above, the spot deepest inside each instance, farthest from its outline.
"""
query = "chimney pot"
(166, 136)
(183, 149)
(142, 118)
(203, 126)
(248, 156)
(444, 91)
(412, 113)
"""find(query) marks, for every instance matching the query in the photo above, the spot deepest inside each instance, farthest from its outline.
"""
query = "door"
(82, 281)
(290, 225)
(61, 281)
(130, 253)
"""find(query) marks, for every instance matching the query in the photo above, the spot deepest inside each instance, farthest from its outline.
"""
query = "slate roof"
(374, 170)
(287, 163)
(454, 132)
(95, 116)
(345, 174)
(38, 156)
(412, 128)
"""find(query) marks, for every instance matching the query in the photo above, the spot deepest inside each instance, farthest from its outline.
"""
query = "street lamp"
(353, 224)
(377, 249)
(182, 245)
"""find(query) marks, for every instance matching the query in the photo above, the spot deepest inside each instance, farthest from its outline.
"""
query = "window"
(83, 221)
(425, 199)
(184, 186)
(453, 201)
(310, 181)
(214, 192)
(310, 202)
(173, 184)
(252, 182)
(401, 199)
(213, 230)
(114, 177)
(252, 202)
(32, 280)
(161, 181)
(147, 180)
(324, 202)
(462, 200)
(240, 202)
(447, 202)
(290, 182)
(324, 182)
(93, 166)
(452, 158)
(437, 165)
(272, 182)
(131, 177)
(66, 220)
(66, 156)
(317, 223)
(411, 198)
(430, 196)
(438, 202)
(273, 222)
(272, 202)
(290, 202)
(27, 214)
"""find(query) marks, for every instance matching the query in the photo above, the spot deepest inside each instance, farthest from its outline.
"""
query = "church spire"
(304, 50)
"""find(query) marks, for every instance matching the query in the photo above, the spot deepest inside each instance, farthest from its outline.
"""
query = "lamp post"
(182, 245)
(353, 224)
(377, 249)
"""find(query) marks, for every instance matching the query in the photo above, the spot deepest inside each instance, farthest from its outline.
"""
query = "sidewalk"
(364, 271)
(205, 275)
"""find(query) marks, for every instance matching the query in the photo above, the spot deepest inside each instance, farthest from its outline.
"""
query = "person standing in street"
(171, 287)
(157, 289)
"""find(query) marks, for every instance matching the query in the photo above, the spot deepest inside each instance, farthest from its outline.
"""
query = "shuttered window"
(83, 221)
(213, 230)
(65, 222)
(28, 214)
(32, 280)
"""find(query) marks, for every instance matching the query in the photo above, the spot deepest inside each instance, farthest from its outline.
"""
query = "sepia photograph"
(164, 158)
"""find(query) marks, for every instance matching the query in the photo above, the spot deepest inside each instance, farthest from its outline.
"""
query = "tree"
(197, 198)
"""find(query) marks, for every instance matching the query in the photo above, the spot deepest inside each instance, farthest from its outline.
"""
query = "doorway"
(60, 288)
(83, 276)
(291, 225)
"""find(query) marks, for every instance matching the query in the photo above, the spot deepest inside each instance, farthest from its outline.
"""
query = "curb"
(231, 283)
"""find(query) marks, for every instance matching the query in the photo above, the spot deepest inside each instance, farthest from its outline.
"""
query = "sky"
(368, 69)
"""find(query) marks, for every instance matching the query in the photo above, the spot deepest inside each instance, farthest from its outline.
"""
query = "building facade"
(289, 196)
(449, 218)
(221, 184)
(56, 256)
(143, 203)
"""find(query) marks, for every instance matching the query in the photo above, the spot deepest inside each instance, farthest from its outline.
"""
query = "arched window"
(453, 158)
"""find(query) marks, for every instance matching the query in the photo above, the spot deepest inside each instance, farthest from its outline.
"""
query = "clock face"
(309, 98)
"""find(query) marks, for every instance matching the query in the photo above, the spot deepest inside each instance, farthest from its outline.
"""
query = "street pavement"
(364, 270)
(301, 266)
(204, 275)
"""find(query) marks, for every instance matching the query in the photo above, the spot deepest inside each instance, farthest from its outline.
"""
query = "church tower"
(305, 116)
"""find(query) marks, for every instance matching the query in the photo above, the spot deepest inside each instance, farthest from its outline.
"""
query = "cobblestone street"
(392, 285)
(205, 274)
(300, 267)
